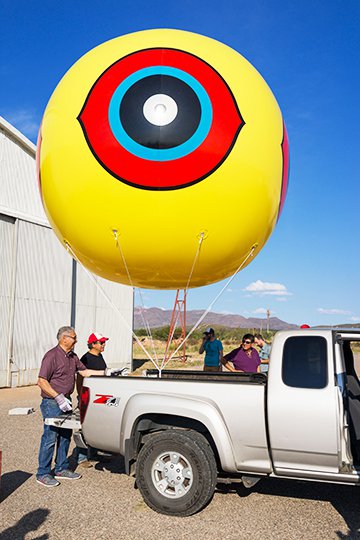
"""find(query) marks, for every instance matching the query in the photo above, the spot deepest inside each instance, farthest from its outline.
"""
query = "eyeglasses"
(247, 341)
(71, 337)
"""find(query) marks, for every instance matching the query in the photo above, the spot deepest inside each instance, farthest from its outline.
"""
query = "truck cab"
(314, 404)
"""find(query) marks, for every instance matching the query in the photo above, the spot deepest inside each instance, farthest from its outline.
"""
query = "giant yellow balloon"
(154, 144)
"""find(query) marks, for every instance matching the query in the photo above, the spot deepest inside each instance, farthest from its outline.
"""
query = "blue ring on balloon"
(161, 154)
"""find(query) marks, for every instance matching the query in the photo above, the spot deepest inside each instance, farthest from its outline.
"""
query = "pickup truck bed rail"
(226, 376)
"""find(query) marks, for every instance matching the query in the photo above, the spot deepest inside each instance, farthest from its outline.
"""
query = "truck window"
(305, 362)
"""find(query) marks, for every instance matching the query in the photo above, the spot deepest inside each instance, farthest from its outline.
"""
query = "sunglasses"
(247, 341)
(71, 337)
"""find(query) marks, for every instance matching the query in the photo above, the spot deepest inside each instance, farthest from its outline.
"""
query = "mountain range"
(156, 318)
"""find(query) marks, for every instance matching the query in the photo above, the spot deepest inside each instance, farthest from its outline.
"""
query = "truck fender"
(203, 410)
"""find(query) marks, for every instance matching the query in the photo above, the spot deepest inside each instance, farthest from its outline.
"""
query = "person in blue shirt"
(264, 352)
(213, 351)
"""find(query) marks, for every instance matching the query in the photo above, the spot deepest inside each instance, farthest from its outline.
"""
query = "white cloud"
(333, 311)
(262, 288)
(355, 319)
(24, 121)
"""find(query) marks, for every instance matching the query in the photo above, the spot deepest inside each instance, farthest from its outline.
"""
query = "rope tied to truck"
(142, 307)
(195, 326)
(201, 237)
(111, 303)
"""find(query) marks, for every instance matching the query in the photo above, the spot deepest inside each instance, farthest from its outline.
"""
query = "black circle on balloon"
(149, 135)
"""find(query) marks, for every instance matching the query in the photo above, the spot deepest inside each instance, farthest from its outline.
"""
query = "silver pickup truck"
(181, 433)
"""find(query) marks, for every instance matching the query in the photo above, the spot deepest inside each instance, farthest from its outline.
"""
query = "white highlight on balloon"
(160, 110)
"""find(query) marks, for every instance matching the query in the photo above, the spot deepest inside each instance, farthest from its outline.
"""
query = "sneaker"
(47, 480)
(85, 464)
(67, 475)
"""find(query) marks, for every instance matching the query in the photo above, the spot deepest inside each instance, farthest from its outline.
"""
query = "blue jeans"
(85, 454)
(53, 437)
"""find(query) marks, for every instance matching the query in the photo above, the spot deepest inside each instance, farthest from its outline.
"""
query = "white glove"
(64, 403)
(115, 372)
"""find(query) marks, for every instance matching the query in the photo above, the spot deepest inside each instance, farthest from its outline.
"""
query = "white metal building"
(41, 287)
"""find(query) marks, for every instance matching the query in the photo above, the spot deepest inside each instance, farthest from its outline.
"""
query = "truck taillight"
(84, 402)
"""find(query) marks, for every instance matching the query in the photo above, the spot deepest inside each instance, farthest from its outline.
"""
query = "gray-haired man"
(56, 381)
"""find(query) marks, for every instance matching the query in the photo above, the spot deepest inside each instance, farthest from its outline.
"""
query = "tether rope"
(201, 238)
(171, 337)
(209, 307)
(97, 284)
(196, 325)
(142, 307)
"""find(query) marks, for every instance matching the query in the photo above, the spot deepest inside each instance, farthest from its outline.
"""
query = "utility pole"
(268, 320)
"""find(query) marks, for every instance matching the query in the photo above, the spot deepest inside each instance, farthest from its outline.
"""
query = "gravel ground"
(104, 504)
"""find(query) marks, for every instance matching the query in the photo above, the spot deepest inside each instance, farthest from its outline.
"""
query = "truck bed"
(222, 403)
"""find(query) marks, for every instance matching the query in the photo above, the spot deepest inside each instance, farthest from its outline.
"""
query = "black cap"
(209, 331)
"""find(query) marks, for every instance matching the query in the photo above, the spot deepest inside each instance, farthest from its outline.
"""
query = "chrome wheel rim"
(172, 475)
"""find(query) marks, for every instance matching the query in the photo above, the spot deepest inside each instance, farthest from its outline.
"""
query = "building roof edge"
(18, 136)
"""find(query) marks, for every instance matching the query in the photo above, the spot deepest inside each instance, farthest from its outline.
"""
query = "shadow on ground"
(29, 522)
(115, 465)
(345, 499)
(11, 481)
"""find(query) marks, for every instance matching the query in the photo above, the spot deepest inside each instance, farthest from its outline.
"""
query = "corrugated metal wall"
(93, 312)
(36, 278)
(42, 298)
(19, 191)
(7, 261)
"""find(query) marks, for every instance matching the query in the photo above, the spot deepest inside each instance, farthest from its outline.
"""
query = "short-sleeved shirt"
(243, 362)
(59, 368)
(265, 351)
(93, 361)
(264, 354)
(212, 352)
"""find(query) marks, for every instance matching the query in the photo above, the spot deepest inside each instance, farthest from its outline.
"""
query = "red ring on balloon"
(285, 169)
(178, 173)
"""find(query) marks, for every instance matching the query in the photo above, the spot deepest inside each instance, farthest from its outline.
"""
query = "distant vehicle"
(182, 433)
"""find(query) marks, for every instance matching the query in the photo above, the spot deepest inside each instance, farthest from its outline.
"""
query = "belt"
(68, 396)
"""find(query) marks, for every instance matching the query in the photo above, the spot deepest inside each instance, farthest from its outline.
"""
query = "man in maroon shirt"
(245, 358)
(56, 381)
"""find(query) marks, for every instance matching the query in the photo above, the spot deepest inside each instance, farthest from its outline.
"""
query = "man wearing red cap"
(94, 360)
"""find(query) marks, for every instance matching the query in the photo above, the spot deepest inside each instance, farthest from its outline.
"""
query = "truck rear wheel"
(176, 472)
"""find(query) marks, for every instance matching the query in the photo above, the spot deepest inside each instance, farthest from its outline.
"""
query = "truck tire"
(176, 472)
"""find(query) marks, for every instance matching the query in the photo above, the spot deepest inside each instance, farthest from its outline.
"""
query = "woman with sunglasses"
(244, 358)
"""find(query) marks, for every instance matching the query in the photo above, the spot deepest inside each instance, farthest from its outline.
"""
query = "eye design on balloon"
(160, 119)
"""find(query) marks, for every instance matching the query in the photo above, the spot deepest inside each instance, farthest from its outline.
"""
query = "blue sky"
(308, 52)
